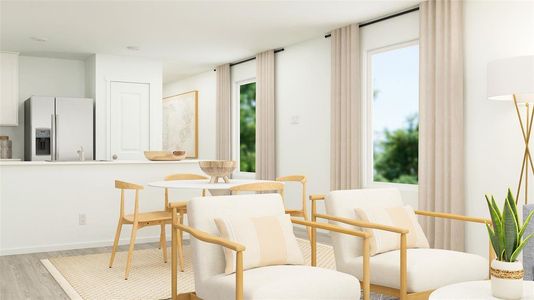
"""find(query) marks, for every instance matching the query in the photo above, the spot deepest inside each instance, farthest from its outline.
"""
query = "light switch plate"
(82, 219)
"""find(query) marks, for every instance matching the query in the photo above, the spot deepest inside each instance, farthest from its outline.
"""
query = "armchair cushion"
(401, 216)
(284, 282)
(343, 204)
(208, 259)
(428, 269)
(268, 240)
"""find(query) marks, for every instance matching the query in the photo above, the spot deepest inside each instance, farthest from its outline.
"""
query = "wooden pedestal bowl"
(218, 169)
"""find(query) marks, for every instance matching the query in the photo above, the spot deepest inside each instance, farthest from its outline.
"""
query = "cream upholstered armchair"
(405, 273)
(270, 282)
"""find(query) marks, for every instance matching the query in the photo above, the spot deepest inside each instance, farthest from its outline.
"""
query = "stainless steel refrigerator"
(58, 128)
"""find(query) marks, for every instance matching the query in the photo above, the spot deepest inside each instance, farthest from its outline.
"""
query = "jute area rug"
(88, 276)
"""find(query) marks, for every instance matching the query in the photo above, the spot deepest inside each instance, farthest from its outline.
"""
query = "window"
(393, 98)
(247, 127)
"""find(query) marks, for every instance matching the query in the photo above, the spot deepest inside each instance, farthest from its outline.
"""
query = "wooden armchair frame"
(182, 204)
(402, 293)
(303, 211)
(239, 249)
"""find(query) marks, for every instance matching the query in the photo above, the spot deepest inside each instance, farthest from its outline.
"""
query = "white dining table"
(220, 188)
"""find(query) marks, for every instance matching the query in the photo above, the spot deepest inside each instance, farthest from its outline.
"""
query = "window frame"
(367, 120)
(236, 129)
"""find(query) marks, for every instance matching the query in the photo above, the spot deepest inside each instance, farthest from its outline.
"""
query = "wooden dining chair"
(138, 220)
(181, 206)
(303, 211)
(182, 176)
(259, 187)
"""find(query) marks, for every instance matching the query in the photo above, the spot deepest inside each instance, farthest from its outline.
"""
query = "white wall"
(48, 77)
(108, 68)
(303, 115)
(90, 76)
(493, 142)
(205, 84)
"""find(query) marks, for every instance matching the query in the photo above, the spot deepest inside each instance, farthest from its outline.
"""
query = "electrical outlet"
(295, 119)
(82, 219)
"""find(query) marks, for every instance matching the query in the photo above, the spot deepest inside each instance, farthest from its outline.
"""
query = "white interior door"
(129, 120)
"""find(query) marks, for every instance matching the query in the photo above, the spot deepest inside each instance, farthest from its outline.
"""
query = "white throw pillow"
(268, 241)
(404, 217)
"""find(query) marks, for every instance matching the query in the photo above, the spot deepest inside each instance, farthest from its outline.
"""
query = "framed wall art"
(180, 123)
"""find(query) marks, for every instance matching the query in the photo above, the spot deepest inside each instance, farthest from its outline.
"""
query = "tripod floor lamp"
(512, 79)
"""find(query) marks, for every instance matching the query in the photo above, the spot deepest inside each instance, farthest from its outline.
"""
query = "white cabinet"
(9, 89)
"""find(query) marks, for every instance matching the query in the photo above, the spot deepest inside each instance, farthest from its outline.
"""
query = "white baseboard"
(82, 245)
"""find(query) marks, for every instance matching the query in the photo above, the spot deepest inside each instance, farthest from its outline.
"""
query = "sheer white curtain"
(265, 117)
(224, 113)
(441, 133)
(346, 106)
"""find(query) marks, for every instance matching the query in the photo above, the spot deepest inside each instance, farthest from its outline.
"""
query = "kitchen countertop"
(93, 162)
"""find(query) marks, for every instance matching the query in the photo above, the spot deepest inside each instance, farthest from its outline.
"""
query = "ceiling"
(189, 37)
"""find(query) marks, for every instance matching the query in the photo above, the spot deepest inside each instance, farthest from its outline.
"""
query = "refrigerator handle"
(56, 137)
(53, 137)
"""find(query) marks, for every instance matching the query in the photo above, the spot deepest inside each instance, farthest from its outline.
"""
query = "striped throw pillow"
(268, 241)
(383, 241)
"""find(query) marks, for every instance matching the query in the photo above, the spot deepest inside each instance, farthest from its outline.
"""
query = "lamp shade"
(510, 76)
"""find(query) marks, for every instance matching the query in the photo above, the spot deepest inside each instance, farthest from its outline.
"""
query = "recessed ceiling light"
(133, 48)
(38, 39)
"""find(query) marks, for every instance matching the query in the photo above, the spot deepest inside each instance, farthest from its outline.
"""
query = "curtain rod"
(382, 19)
(328, 35)
(250, 58)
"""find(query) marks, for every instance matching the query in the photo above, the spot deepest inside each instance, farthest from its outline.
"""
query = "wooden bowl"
(218, 169)
(165, 155)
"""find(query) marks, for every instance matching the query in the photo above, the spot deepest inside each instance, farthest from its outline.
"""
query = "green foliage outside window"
(247, 126)
(396, 156)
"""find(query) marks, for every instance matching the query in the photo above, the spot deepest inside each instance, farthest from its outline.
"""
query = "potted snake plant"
(506, 236)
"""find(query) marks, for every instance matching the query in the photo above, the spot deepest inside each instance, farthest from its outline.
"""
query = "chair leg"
(163, 242)
(130, 251)
(180, 244)
(115, 243)
(174, 267)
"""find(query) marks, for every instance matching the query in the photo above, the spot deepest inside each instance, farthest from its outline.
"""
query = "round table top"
(202, 184)
(475, 290)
